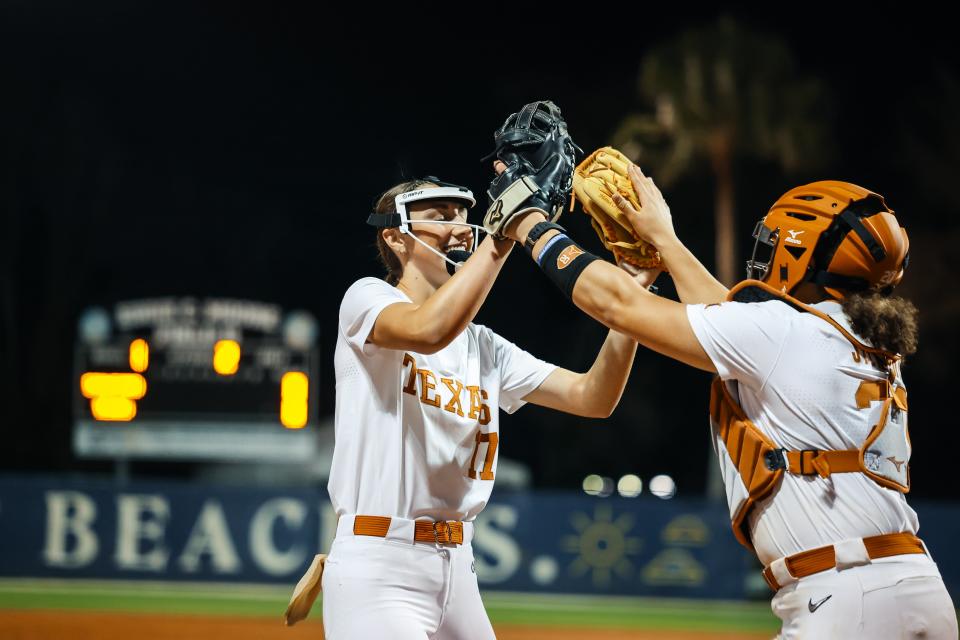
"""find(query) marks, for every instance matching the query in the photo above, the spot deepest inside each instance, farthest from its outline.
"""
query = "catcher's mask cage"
(443, 191)
(834, 234)
(764, 242)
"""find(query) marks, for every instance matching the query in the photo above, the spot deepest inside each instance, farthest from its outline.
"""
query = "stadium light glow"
(592, 484)
(663, 487)
(630, 486)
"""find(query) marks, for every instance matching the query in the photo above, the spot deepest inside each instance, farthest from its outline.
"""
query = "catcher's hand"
(539, 156)
(608, 192)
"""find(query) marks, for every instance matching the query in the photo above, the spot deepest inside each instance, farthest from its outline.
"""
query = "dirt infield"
(34, 625)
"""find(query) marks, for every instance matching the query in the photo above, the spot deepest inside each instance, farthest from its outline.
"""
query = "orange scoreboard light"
(196, 379)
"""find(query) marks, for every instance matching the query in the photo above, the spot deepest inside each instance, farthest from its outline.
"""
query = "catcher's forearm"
(609, 295)
(695, 284)
(602, 289)
(599, 288)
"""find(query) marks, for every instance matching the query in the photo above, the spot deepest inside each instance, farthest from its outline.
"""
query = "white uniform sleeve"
(743, 340)
(361, 305)
(520, 372)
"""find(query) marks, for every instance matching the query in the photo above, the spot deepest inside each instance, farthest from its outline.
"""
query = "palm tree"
(722, 92)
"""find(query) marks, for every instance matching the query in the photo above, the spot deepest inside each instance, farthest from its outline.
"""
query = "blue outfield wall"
(530, 541)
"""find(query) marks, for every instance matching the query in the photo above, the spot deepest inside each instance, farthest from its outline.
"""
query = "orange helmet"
(835, 234)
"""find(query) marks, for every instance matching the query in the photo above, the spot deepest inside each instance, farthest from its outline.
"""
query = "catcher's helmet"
(835, 234)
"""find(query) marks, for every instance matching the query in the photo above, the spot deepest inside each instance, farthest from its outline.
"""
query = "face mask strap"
(455, 265)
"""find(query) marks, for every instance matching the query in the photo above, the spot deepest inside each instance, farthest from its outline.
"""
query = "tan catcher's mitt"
(594, 182)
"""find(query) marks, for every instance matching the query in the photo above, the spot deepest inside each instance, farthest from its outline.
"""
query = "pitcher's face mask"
(445, 191)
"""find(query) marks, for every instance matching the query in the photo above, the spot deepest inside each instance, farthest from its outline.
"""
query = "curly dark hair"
(888, 323)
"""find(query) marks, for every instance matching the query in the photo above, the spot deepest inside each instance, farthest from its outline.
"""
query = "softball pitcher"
(418, 395)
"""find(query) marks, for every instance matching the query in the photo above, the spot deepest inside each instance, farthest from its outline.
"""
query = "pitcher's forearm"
(606, 379)
(455, 304)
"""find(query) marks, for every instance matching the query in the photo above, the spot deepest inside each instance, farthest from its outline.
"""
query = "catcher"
(418, 393)
(808, 411)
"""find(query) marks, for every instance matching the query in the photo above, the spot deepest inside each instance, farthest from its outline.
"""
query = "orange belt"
(807, 563)
(439, 532)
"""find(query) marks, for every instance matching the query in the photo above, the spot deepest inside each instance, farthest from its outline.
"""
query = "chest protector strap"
(753, 465)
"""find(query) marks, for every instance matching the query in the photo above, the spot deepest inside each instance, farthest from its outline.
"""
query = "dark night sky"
(230, 151)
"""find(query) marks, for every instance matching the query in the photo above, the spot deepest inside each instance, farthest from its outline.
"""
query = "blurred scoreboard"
(195, 379)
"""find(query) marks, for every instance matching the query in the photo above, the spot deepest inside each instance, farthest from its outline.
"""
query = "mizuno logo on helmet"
(793, 237)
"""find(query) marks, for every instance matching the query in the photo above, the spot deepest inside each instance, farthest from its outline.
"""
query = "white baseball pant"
(896, 597)
(394, 587)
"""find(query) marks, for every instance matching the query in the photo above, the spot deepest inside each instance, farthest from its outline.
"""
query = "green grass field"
(503, 607)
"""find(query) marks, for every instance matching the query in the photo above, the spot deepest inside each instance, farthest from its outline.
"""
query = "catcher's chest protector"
(752, 465)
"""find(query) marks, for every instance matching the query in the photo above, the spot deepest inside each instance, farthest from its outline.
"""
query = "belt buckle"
(776, 459)
(441, 532)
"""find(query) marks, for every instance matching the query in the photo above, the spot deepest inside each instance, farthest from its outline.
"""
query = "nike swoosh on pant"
(813, 606)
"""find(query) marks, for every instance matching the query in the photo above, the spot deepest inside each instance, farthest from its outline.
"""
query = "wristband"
(538, 230)
(563, 261)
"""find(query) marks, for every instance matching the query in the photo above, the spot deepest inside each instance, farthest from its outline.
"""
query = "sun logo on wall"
(602, 545)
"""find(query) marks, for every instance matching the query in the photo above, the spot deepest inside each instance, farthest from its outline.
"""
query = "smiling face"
(444, 237)
(426, 222)
(423, 216)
